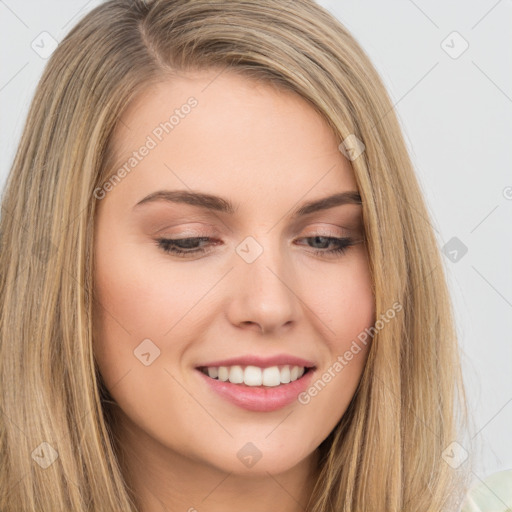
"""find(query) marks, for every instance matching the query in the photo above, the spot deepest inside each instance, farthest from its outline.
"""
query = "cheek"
(350, 309)
(138, 292)
(344, 300)
(133, 303)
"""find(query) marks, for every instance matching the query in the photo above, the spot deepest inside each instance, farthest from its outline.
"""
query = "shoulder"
(492, 494)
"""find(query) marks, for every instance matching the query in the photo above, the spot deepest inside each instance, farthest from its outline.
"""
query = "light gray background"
(456, 113)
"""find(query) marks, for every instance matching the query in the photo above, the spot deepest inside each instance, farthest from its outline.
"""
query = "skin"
(267, 151)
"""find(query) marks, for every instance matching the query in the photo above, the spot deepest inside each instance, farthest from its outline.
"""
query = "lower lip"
(259, 398)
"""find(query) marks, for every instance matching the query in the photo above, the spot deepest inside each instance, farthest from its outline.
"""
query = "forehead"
(209, 131)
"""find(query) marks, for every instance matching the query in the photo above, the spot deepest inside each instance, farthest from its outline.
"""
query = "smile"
(255, 376)
(255, 395)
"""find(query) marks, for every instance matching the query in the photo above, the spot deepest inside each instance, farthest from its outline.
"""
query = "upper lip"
(262, 362)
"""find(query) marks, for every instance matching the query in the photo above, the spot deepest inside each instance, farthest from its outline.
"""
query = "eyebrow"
(219, 204)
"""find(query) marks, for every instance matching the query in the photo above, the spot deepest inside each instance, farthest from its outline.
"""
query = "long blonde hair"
(386, 452)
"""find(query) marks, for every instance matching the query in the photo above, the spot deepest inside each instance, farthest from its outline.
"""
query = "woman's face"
(258, 282)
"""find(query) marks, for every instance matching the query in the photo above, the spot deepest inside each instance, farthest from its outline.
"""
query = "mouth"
(255, 388)
(256, 376)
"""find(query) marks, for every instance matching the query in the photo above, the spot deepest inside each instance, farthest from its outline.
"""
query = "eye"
(183, 247)
(338, 245)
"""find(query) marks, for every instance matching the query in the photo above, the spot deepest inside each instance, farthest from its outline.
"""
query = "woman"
(220, 288)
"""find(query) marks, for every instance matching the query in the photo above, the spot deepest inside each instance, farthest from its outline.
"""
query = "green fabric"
(492, 494)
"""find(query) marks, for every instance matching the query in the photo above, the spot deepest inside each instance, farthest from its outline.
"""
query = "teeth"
(253, 376)
(271, 376)
(223, 373)
(285, 375)
(236, 375)
(213, 372)
(256, 376)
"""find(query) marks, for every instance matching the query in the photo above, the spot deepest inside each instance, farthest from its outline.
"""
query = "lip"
(259, 398)
(262, 362)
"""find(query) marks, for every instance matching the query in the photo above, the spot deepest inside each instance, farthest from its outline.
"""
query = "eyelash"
(169, 245)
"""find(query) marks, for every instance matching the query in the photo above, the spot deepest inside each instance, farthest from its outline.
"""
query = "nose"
(265, 293)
